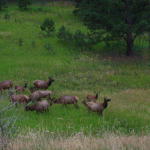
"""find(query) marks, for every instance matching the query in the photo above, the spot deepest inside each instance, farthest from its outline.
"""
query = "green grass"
(125, 80)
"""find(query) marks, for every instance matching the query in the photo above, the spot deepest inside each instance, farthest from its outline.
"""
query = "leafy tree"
(23, 4)
(48, 26)
(2, 4)
(123, 19)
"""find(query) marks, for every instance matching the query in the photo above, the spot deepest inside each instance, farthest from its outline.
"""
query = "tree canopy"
(123, 19)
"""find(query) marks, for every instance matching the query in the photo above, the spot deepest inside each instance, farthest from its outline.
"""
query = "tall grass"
(110, 141)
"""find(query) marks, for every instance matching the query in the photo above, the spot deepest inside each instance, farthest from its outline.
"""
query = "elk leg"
(76, 105)
(65, 105)
(101, 114)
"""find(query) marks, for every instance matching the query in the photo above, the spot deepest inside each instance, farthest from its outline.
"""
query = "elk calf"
(41, 84)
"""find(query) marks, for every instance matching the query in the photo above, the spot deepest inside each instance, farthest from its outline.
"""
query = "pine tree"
(123, 19)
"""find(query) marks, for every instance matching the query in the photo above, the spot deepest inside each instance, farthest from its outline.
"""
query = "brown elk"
(39, 106)
(6, 85)
(96, 106)
(92, 97)
(19, 99)
(67, 100)
(21, 88)
(41, 84)
(38, 95)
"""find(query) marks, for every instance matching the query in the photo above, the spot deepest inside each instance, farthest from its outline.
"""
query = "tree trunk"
(149, 39)
(129, 42)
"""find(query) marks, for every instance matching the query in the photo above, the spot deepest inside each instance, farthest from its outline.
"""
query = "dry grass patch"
(46, 141)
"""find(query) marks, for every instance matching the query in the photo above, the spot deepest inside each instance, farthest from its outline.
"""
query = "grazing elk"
(37, 95)
(6, 85)
(21, 88)
(67, 100)
(41, 84)
(21, 99)
(92, 97)
(39, 106)
(96, 106)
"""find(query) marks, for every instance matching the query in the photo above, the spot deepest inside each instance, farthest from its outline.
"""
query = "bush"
(33, 44)
(23, 4)
(6, 16)
(48, 26)
(64, 34)
(49, 48)
(2, 4)
(78, 39)
(20, 42)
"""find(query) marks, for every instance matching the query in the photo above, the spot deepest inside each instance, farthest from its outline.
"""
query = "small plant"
(6, 16)
(64, 34)
(80, 39)
(20, 42)
(33, 44)
(2, 4)
(24, 4)
(48, 47)
(48, 26)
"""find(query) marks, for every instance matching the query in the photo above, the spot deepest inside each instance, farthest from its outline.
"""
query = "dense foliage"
(2, 4)
(23, 4)
(48, 26)
(123, 19)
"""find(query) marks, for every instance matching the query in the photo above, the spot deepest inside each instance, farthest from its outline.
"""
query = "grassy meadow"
(25, 56)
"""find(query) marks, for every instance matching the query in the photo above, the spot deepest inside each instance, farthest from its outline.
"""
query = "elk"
(39, 106)
(92, 97)
(37, 95)
(41, 84)
(96, 106)
(67, 100)
(6, 85)
(21, 88)
(19, 99)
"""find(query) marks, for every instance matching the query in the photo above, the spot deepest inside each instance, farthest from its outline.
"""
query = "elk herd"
(40, 98)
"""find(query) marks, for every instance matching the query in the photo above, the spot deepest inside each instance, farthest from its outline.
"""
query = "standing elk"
(41, 84)
(96, 106)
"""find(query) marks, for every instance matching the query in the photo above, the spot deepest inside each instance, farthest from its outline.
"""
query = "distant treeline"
(40, 0)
